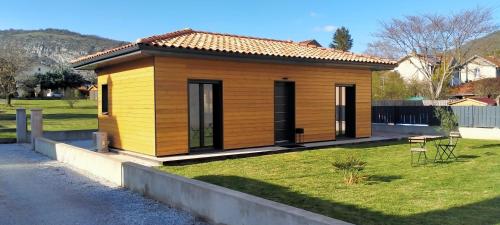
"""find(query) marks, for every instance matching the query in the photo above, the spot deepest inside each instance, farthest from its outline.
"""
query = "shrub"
(351, 168)
(70, 97)
(447, 118)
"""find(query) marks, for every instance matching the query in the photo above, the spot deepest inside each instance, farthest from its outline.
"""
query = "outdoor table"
(429, 138)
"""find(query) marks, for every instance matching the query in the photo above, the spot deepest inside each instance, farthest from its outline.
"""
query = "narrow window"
(104, 99)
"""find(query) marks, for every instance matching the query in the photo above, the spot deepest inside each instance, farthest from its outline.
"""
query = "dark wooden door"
(345, 119)
(284, 113)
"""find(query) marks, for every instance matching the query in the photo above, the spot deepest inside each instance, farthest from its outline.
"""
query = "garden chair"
(417, 146)
(446, 149)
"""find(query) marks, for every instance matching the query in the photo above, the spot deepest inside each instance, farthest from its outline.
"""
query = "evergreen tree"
(342, 40)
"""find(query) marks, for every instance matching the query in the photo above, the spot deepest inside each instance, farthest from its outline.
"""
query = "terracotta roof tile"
(209, 41)
(493, 60)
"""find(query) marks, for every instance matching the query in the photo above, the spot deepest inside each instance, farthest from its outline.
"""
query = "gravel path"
(36, 190)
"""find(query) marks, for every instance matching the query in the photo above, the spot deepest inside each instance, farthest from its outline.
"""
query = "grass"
(58, 116)
(466, 191)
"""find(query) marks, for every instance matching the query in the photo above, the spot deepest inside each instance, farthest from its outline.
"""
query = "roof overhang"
(141, 51)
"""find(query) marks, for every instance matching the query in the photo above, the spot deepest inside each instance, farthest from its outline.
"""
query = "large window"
(477, 73)
(104, 99)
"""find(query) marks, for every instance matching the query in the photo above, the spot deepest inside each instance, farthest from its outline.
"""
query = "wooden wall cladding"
(130, 122)
(248, 98)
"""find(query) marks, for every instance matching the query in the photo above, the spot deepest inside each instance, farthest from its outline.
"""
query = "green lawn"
(466, 191)
(57, 115)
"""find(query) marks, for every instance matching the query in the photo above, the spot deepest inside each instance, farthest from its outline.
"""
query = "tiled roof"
(218, 42)
(493, 60)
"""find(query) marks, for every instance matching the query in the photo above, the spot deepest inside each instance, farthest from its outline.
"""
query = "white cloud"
(326, 28)
(329, 28)
(313, 14)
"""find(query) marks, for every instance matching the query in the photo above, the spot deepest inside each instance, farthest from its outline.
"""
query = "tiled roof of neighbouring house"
(218, 42)
(493, 60)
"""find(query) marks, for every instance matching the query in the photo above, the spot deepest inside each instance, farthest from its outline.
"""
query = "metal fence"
(468, 116)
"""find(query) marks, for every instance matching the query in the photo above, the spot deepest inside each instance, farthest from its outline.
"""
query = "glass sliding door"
(208, 115)
(194, 116)
(205, 114)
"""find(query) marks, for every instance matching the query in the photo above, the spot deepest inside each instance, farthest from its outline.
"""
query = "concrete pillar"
(21, 126)
(36, 125)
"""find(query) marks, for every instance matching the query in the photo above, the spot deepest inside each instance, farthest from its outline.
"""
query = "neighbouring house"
(190, 91)
(474, 102)
(465, 90)
(478, 67)
(414, 67)
(92, 92)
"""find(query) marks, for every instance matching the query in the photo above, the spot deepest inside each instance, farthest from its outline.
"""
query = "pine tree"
(342, 40)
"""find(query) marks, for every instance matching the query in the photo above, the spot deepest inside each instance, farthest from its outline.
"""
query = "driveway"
(36, 190)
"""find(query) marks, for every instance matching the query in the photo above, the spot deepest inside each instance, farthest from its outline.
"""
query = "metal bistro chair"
(417, 145)
(447, 148)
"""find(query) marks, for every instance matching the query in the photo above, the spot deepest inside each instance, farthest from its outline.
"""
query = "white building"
(478, 67)
(413, 67)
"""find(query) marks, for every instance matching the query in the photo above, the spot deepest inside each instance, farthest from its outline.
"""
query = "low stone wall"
(402, 129)
(216, 204)
(68, 135)
(465, 132)
(95, 163)
(480, 133)
(220, 205)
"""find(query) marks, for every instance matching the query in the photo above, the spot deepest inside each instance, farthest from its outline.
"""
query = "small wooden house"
(485, 101)
(92, 92)
(189, 91)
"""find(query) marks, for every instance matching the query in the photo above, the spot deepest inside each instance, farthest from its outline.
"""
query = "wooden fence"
(467, 116)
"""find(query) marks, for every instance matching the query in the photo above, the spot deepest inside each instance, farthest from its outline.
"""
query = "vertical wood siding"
(130, 123)
(248, 99)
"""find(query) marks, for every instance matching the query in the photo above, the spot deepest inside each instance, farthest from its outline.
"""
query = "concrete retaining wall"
(220, 205)
(400, 129)
(480, 133)
(216, 204)
(68, 135)
(466, 132)
(95, 163)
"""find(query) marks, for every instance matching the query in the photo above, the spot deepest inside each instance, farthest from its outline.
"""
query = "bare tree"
(383, 50)
(7, 79)
(12, 63)
(437, 40)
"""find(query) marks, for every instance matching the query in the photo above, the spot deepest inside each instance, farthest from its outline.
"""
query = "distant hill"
(487, 45)
(47, 48)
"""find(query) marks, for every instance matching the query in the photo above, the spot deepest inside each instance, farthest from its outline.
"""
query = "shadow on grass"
(69, 116)
(484, 212)
(375, 144)
(375, 179)
(467, 156)
(7, 117)
(488, 146)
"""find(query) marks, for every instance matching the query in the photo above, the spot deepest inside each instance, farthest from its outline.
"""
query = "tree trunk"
(9, 100)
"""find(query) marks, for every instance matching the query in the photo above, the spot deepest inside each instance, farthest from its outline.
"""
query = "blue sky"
(289, 20)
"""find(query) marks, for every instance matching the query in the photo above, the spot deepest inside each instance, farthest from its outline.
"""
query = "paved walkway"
(36, 190)
(377, 137)
(246, 152)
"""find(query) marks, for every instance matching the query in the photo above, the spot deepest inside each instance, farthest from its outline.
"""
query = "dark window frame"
(104, 99)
